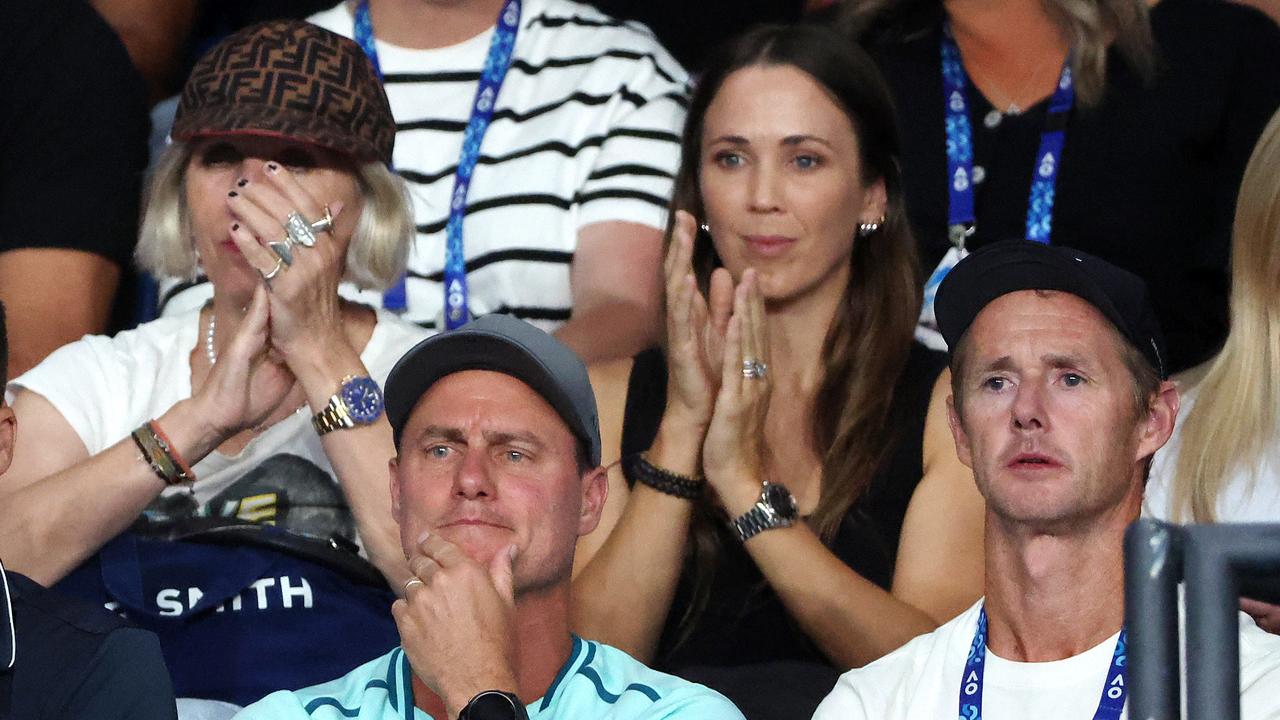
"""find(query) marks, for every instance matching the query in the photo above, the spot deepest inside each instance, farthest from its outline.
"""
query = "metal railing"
(1218, 563)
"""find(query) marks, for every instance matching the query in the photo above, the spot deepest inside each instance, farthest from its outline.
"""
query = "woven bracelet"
(185, 473)
(154, 455)
(640, 470)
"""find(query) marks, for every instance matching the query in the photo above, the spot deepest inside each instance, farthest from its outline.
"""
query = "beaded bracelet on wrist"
(638, 469)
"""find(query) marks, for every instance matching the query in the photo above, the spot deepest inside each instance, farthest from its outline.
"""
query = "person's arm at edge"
(617, 291)
(640, 552)
(940, 566)
(53, 296)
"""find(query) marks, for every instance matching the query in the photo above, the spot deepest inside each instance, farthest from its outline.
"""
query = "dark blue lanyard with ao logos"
(1113, 692)
(960, 214)
(961, 218)
(496, 64)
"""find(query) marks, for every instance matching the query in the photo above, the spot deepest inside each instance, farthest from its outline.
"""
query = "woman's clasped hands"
(295, 312)
(718, 364)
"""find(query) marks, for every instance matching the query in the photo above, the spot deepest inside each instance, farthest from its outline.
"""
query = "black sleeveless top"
(744, 627)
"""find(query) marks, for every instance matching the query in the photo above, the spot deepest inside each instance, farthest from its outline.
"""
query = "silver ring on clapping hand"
(282, 250)
(411, 581)
(299, 230)
(324, 224)
(269, 276)
(753, 369)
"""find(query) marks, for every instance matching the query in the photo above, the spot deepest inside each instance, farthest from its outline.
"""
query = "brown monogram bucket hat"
(289, 79)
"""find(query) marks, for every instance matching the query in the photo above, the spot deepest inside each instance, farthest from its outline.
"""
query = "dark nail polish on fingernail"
(235, 226)
(242, 182)
(273, 167)
(233, 193)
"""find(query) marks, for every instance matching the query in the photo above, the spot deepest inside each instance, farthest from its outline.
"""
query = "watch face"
(494, 705)
(363, 399)
(780, 499)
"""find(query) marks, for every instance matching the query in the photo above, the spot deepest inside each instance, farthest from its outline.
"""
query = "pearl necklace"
(209, 350)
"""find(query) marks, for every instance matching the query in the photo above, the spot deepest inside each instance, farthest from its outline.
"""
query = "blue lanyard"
(960, 214)
(495, 71)
(1113, 692)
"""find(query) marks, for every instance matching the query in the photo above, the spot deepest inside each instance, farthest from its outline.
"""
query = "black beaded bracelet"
(639, 470)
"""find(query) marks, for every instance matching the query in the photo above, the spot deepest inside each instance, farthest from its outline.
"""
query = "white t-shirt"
(1252, 494)
(922, 680)
(105, 387)
(586, 130)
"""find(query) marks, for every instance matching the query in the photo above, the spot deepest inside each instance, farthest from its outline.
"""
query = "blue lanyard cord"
(959, 132)
(496, 64)
(1113, 692)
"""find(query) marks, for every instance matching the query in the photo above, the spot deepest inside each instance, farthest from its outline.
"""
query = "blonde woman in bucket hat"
(277, 185)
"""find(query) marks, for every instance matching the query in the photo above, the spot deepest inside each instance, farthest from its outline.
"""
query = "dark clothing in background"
(690, 30)
(1148, 178)
(745, 644)
(73, 133)
(75, 661)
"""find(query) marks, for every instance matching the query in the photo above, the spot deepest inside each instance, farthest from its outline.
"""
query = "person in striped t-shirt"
(563, 216)
(497, 474)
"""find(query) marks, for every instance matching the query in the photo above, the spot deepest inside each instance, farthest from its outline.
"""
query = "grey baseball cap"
(505, 344)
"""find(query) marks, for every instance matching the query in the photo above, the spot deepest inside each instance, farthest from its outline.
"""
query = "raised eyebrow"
(1003, 363)
(442, 432)
(798, 139)
(1060, 362)
(507, 438)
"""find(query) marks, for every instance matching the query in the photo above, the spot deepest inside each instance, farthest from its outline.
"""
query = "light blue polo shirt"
(597, 682)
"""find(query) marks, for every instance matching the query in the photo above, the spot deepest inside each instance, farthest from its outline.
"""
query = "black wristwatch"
(494, 705)
(776, 508)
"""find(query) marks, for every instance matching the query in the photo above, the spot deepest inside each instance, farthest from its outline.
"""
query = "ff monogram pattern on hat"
(289, 79)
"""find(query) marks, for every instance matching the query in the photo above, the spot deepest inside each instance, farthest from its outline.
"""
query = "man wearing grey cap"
(496, 477)
(1059, 400)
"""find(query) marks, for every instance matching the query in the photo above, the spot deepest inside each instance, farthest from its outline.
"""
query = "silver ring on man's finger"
(753, 369)
(411, 581)
(299, 230)
(324, 224)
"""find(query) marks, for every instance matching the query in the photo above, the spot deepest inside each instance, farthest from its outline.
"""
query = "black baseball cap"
(505, 344)
(1014, 265)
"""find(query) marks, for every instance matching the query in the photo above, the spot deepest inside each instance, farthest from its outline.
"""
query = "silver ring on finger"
(299, 230)
(283, 250)
(269, 276)
(324, 224)
(415, 580)
(753, 369)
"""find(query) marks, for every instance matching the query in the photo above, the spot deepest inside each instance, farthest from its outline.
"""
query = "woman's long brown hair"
(870, 336)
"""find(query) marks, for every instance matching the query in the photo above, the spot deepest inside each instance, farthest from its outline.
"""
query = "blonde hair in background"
(1090, 27)
(1235, 417)
(379, 246)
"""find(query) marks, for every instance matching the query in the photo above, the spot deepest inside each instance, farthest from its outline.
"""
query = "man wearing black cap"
(1058, 403)
(496, 476)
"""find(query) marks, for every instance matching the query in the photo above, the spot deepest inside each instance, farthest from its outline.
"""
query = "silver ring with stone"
(299, 230)
(753, 369)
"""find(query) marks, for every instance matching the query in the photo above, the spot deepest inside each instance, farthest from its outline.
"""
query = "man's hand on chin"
(455, 622)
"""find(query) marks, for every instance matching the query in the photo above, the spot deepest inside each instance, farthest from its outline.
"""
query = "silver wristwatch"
(776, 508)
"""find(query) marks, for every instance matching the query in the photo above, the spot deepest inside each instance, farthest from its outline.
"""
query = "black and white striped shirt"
(586, 130)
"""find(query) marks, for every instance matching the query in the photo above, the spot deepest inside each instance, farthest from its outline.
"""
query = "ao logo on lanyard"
(961, 219)
(496, 64)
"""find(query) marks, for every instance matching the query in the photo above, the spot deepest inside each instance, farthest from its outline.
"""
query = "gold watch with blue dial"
(358, 402)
